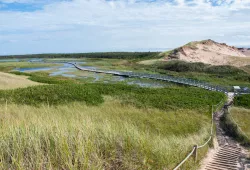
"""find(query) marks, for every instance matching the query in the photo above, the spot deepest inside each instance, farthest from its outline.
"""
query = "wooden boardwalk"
(226, 158)
(178, 80)
(229, 155)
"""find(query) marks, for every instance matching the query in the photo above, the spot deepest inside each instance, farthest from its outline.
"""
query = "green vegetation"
(68, 124)
(51, 94)
(182, 66)
(117, 55)
(110, 136)
(246, 69)
(165, 98)
(8, 66)
(242, 117)
(243, 101)
(217, 75)
(43, 77)
(236, 122)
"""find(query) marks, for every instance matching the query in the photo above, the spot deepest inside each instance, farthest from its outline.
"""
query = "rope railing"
(205, 143)
(189, 155)
(196, 147)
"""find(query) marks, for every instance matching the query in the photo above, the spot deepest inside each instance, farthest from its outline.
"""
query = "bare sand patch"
(10, 81)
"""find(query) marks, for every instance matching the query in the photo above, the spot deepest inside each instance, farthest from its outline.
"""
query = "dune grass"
(76, 126)
(10, 81)
(236, 123)
(242, 118)
(110, 136)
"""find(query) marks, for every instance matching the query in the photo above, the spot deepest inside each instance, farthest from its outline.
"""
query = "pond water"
(33, 69)
(64, 70)
(146, 84)
(67, 70)
(9, 60)
(36, 60)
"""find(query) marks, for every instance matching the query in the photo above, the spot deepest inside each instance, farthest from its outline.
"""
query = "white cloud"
(99, 25)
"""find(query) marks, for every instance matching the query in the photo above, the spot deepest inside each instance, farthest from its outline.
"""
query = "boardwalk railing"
(178, 80)
(194, 151)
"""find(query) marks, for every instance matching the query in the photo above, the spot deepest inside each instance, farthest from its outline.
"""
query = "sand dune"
(210, 52)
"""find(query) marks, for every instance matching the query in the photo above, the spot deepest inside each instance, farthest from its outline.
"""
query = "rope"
(201, 146)
(205, 143)
(190, 154)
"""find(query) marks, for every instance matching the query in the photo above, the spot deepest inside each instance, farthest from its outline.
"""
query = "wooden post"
(195, 154)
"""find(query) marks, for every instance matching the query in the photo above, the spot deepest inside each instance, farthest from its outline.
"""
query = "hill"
(210, 52)
(245, 51)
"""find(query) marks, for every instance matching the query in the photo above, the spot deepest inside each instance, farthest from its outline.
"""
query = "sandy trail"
(227, 153)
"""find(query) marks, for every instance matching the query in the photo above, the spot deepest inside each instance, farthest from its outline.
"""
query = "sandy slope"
(210, 52)
(10, 81)
(245, 51)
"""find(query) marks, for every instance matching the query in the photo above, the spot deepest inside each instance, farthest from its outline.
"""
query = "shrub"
(243, 100)
(52, 94)
(164, 98)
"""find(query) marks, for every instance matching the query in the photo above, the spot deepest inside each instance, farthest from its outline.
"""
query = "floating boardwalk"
(178, 80)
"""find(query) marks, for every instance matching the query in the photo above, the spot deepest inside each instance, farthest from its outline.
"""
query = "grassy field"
(10, 81)
(102, 126)
(113, 64)
(70, 124)
(236, 124)
(8, 66)
(110, 136)
(242, 118)
(236, 121)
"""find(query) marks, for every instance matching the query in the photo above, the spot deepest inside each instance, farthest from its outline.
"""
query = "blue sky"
(58, 26)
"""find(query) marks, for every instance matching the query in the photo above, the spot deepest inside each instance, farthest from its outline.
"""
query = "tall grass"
(111, 136)
(236, 122)
(242, 118)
